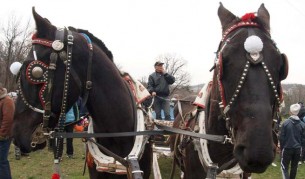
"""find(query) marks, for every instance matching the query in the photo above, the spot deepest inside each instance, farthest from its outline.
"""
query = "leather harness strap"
(89, 69)
(163, 130)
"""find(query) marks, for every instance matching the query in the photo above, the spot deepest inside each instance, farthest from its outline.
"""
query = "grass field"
(39, 166)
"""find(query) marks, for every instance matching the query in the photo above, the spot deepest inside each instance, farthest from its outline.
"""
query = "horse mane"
(96, 40)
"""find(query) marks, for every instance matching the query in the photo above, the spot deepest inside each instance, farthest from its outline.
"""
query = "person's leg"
(294, 163)
(285, 160)
(5, 171)
(17, 153)
(166, 108)
(70, 150)
(157, 107)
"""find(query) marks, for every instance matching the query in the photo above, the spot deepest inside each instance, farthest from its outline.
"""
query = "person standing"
(292, 137)
(71, 116)
(7, 109)
(158, 87)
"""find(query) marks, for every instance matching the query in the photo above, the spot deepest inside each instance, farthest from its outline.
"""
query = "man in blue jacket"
(158, 87)
(292, 138)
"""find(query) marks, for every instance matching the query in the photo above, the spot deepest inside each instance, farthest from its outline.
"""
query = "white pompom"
(15, 67)
(253, 44)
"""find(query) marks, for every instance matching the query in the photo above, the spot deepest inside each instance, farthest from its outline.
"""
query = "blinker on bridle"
(46, 92)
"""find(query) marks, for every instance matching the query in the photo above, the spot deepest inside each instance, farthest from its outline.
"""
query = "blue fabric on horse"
(72, 114)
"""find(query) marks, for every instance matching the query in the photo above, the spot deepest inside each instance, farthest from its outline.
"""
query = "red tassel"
(248, 17)
(55, 176)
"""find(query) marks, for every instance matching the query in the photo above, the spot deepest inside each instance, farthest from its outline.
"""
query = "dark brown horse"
(110, 101)
(241, 102)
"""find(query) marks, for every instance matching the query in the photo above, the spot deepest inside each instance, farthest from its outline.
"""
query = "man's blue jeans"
(162, 103)
(5, 171)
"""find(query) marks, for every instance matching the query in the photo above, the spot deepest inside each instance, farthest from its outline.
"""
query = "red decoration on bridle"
(40, 41)
(248, 17)
(42, 80)
(236, 26)
(44, 67)
(225, 39)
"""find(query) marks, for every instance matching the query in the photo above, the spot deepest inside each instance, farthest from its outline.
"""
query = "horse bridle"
(39, 73)
(224, 107)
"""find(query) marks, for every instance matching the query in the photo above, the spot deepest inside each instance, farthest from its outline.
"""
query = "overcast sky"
(137, 31)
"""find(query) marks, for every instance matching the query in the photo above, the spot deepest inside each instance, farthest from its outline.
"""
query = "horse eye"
(37, 72)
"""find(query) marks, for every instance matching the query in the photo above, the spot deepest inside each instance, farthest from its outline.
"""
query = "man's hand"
(153, 93)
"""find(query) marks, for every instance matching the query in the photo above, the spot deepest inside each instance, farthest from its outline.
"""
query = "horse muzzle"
(254, 159)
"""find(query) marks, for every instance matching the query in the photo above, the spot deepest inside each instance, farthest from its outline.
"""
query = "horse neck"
(110, 102)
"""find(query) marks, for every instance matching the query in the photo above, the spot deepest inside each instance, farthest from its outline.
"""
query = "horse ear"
(43, 26)
(264, 17)
(226, 17)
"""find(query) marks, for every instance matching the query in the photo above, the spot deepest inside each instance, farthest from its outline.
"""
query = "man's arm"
(169, 78)
(8, 110)
(303, 135)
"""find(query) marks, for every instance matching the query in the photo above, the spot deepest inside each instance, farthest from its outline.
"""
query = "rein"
(163, 130)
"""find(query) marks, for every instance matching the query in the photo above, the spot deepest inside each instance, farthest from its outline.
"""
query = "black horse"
(241, 102)
(110, 101)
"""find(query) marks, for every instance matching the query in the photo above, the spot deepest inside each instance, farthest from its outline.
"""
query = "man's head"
(159, 66)
(294, 109)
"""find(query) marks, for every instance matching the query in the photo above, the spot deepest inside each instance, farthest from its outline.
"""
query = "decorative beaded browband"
(236, 26)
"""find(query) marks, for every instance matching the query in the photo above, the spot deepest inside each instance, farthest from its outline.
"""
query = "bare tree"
(294, 93)
(143, 80)
(175, 66)
(15, 45)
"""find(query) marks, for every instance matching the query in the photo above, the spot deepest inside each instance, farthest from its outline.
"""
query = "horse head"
(247, 88)
(63, 65)
(49, 83)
